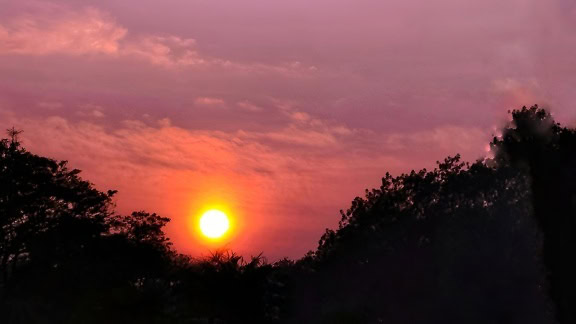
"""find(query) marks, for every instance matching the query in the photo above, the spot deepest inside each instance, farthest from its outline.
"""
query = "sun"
(214, 224)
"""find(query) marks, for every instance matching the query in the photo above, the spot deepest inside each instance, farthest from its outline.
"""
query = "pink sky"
(283, 111)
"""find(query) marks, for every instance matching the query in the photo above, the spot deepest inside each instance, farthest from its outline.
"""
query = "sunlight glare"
(214, 224)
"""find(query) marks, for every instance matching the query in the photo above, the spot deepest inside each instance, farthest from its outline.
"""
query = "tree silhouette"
(65, 257)
(462, 243)
(536, 144)
(452, 245)
(39, 198)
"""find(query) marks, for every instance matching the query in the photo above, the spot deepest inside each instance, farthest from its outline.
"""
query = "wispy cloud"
(89, 31)
(209, 101)
(75, 33)
(246, 105)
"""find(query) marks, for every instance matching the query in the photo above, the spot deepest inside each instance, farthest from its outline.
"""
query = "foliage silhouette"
(65, 257)
(451, 245)
(224, 287)
(482, 242)
(536, 144)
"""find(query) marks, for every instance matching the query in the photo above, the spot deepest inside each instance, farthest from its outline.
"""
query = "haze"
(283, 111)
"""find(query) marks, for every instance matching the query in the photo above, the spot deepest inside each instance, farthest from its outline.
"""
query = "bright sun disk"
(214, 224)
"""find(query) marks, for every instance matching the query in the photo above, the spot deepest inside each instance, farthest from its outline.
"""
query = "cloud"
(209, 101)
(168, 51)
(172, 170)
(89, 31)
(300, 116)
(91, 110)
(315, 112)
(49, 105)
(270, 178)
(443, 138)
(246, 105)
(157, 164)
(317, 133)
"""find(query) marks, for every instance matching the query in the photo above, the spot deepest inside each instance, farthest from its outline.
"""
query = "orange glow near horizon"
(213, 193)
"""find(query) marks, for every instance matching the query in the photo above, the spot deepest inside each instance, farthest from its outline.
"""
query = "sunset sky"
(280, 112)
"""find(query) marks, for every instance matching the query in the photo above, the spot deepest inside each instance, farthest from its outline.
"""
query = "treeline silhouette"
(492, 241)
